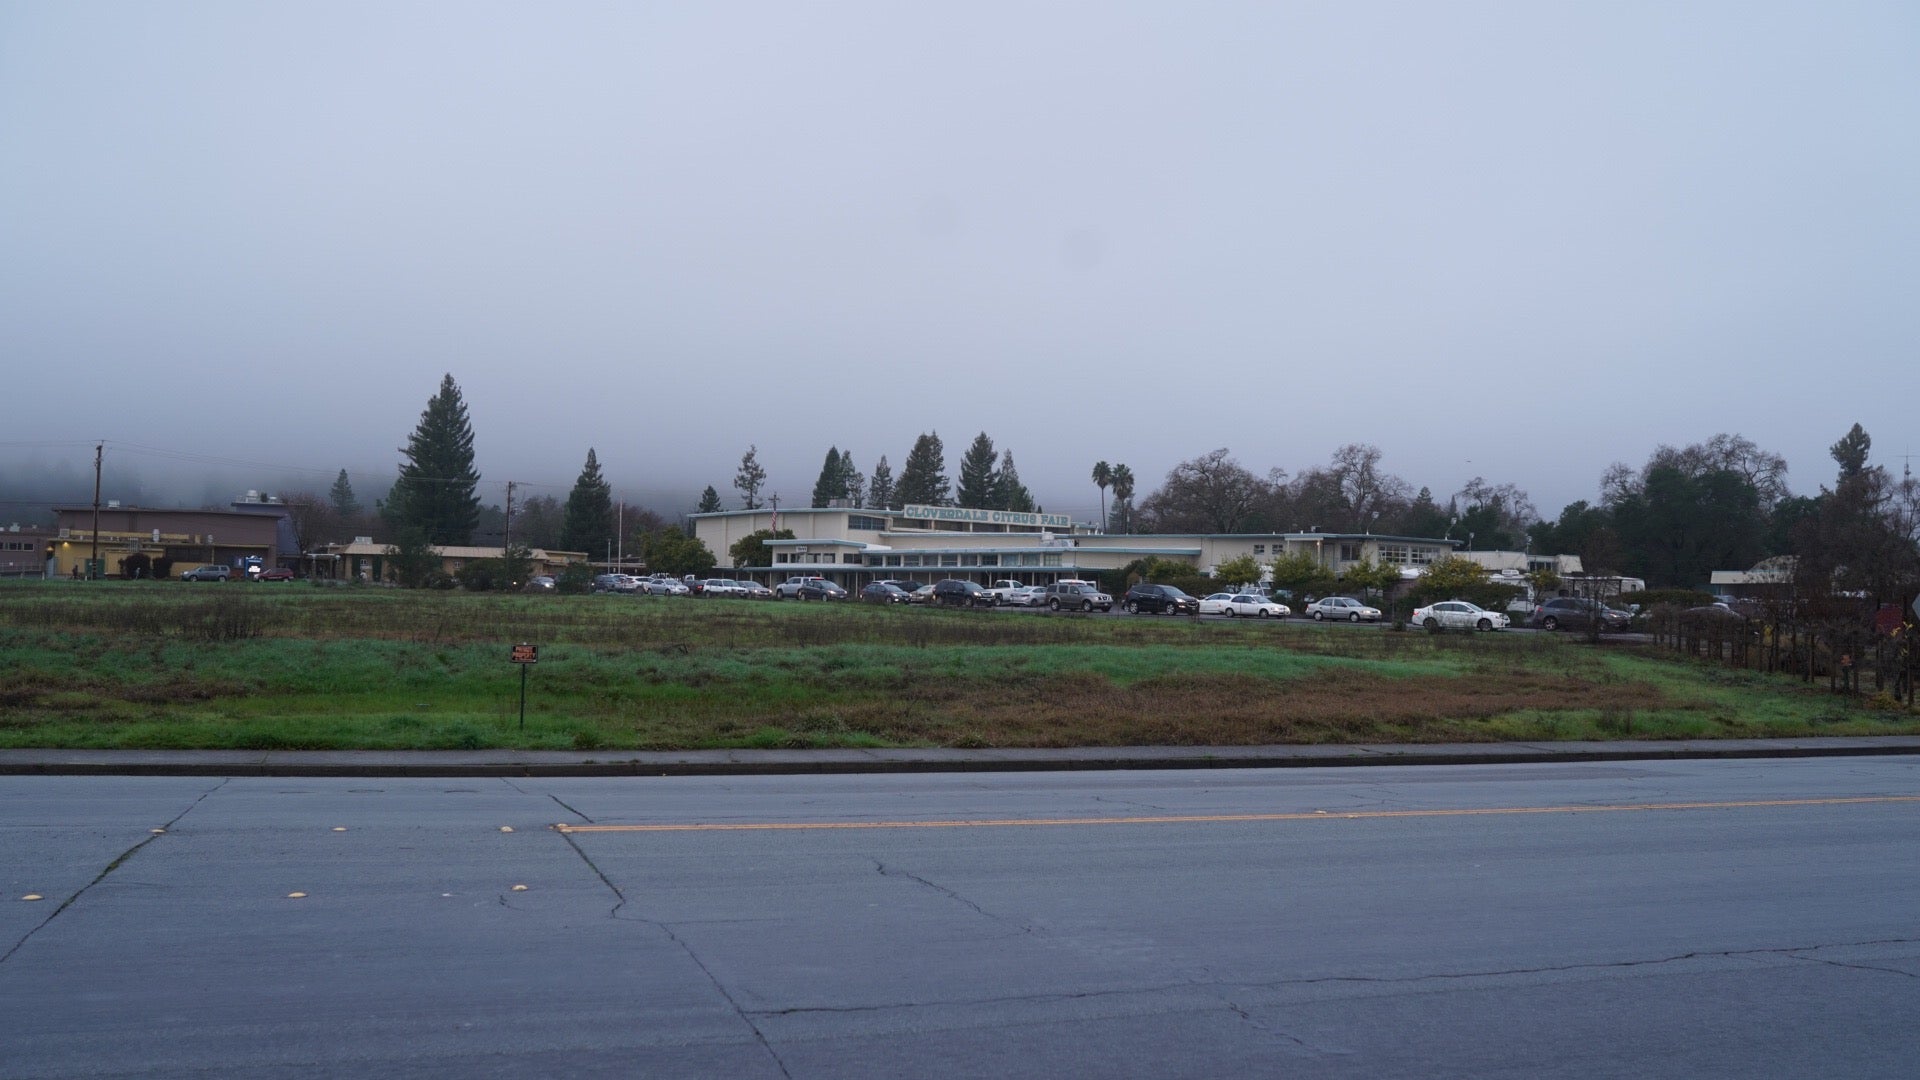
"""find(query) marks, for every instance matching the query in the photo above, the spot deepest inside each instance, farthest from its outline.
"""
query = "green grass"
(162, 665)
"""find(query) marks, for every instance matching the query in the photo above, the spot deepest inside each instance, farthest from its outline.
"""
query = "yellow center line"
(1204, 819)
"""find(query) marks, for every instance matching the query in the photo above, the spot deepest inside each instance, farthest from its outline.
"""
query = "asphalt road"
(1684, 919)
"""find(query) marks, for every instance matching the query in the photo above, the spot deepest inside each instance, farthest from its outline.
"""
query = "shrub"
(576, 578)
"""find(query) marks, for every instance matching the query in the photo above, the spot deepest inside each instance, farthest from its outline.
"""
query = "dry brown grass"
(1336, 705)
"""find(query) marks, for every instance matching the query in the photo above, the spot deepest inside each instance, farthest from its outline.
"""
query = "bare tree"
(1211, 493)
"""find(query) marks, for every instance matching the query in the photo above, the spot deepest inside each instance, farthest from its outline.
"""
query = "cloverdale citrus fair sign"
(989, 517)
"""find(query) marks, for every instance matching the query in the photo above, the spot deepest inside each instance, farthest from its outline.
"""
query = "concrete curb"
(527, 763)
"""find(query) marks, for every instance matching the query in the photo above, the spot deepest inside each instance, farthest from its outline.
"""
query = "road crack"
(663, 928)
(893, 871)
(116, 864)
(1654, 961)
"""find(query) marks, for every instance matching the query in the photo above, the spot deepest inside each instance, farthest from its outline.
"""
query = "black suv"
(956, 593)
(1159, 600)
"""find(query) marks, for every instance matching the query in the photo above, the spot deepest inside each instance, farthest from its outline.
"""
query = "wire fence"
(1855, 651)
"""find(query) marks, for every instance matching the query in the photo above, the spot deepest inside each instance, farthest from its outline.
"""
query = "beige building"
(365, 560)
(920, 543)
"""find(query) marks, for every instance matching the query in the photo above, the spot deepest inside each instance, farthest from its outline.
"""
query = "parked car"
(953, 592)
(1075, 596)
(1025, 596)
(922, 594)
(278, 573)
(605, 582)
(541, 583)
(755, 591)
(1215, 603)
(1459, 615)
(820, 589)
(790, 588)
(1577, 613)
(1249, 604)
(210, 572)
(716, 587)
(1159, 600)
(1342, 607)
(1002, 589)
(666, 586)
(884, 592)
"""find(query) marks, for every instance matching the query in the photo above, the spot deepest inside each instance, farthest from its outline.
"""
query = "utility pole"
(92, 563)
(506, 541)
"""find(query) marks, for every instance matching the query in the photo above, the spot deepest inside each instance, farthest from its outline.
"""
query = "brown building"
(25, 551)
(256, 527)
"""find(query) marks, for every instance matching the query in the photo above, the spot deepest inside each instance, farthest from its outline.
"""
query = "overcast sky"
(1517, 240)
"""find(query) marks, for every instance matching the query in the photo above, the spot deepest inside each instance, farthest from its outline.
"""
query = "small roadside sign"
(524, 654)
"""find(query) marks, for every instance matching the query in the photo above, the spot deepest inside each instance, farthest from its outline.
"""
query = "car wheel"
(1431, 623)
(1053, 605)
(1263, 613)
(1550, 623)
(1485, 624)
(1130, 608)
(1319, 616)
(1355, 617)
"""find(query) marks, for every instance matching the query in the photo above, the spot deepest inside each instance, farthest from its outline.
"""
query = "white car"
(722, 587)
(1215, 604)
(790, 588)
(1342, 607)
(666, 587)
(1459, 614)
(1025, 596)
(1252, 604)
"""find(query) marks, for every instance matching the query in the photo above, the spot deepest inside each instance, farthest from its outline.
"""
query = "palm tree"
(1122, 480)
(1102, 476)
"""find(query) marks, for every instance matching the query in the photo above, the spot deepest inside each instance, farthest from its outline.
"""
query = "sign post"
(526, 656)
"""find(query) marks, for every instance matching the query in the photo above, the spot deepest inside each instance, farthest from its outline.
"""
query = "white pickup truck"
(999, 590)
(790, 588)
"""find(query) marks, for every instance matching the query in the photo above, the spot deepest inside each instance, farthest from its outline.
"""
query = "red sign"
(526, 654)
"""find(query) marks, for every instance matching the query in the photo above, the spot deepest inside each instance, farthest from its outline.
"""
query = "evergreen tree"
(750, 478)
(976, 474)
(880, 488)
(1008, 492)
(709, 502)
(435, 489)
(1851, 452)
(923, 480)
(588, 524)
(341, 495)
(832, 483)
(851, 481)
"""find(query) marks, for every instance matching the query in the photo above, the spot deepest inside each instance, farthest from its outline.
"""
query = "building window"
(911, 560)
(873, 560)
(1349, 552)
(1049, 560)
(862, 521)
(950, 560)
(1030, 560)
(827, 558)
(1259, 549)
(1397, 554)
(989, 560)
(1424, 556)
(893, 560)
(969, 560)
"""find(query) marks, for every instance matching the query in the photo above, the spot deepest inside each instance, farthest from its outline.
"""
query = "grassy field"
(246, 665)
